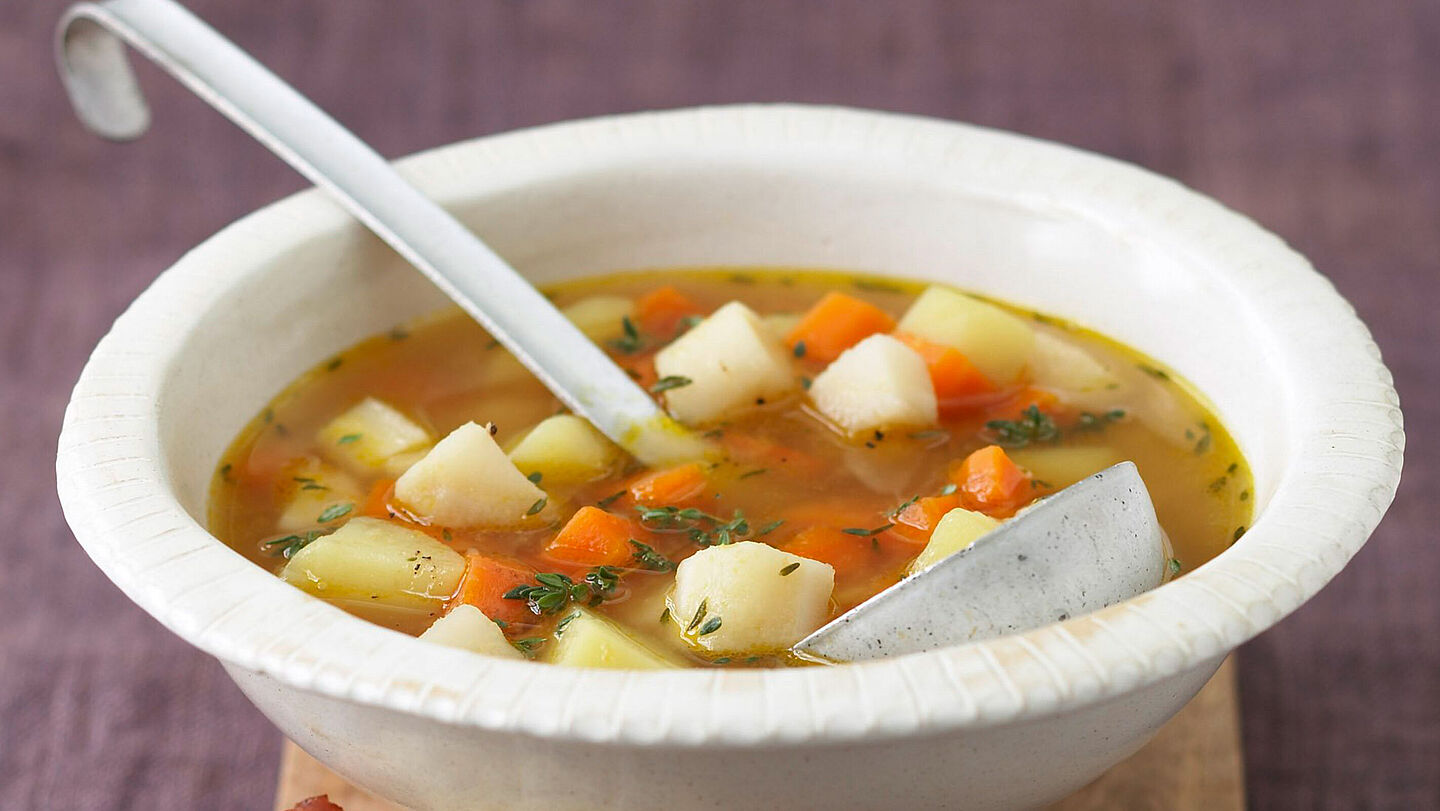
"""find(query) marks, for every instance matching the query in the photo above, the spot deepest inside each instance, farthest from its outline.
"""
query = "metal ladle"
(108, 100)
(1091, 545)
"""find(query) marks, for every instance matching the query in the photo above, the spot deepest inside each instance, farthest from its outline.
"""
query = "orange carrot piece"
(593, 537)
(377, 503)
(917, 521)
(661, 310)
(956, 380)
(674, 485)
(849, 554)
(988, 481)
(485, 582)
(836, 323)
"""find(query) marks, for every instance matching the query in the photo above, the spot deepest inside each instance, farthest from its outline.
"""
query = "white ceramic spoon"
(103, 90)
(1091, 545)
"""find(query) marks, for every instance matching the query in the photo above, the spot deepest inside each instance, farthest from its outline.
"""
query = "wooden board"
(1193, 763)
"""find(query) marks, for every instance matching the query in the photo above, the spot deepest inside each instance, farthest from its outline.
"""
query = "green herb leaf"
(535, 477)
(799, 350)
(699, 615)
(756, 472)
(669, 382)
(537, 506)
(610, 499)
(348, 438)
(565, 623)
(786, 571)
(1033, 426)
(711, 626)
(334, 511)
(896, 512)
(287, 546)
(1174, 564)
(648, 558)
(529, 645)
(866, 533)
(630, 342)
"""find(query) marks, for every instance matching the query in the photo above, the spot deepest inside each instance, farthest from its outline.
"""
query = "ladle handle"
(108, 100)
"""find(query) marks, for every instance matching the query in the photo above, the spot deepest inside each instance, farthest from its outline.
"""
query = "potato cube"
(589, 640)
(311, 490)
(467, 481)
(749, 597)
(566, 449)
(877, 383)
(997, 342)
(732, 362)
(467, 628)
(369, 434)
(956, 531)
(601, 318)
(1062, 467)
(1058, 364)
(379, 562)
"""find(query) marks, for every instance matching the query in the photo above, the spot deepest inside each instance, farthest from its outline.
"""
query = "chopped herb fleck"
(333, 512)
(665, 616)
(610, 499)
(903, 505)
(770, 527)
(669, 382)
(1218, 485)
(537, 506)
(225, 471)
(806, 382)
(723, 660)
(756, 472)
(1034, 425)
(1203, 443)
(799, 350)
(528, 645)
(1157, 373)
(565, 622)
(348, 438)
(711, 626)
(1244, 495)
(334, 364)
(398, 334)
(866, 533)
(699, 615)
(535, 477)
(786, 571)
(1097, 422)
(1174, 565)
(629, 343)
(1239, 531)
(876, 286)
(290, 544)
(648, 558)
(445, 533)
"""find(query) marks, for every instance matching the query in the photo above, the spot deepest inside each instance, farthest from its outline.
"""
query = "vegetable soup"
(863, 428)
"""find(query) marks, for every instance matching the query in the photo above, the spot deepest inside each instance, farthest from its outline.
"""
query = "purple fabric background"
(1319, 119)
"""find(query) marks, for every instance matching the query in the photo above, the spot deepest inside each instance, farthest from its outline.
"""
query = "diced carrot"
(593, 537)
(762, 451)
(990, 482)
(917, 521)
(836, 323)
(675, 485)
(485, 582)
(1014, 406)
(956, 380)
(377, 503)
(849, 554)
(661, 310)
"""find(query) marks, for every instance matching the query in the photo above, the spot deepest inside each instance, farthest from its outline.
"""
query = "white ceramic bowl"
(1008, 723)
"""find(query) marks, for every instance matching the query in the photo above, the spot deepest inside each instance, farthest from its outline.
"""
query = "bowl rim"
(1347, 451)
